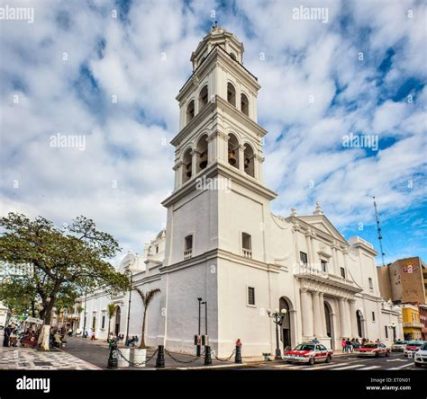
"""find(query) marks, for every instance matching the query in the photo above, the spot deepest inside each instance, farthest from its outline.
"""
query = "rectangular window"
(103, 322)
(188, 250)
(251, 296)
(342, 272)
(373, 316)
(324, 266)
(386, 332)
(371, 285)
(247, 245)
(303, 258)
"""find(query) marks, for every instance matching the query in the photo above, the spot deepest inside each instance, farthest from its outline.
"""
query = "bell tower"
(219, 204)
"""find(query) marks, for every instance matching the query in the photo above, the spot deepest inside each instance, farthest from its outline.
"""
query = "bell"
(203, 160)
(188, 169)
(232, 157)
(247, 162)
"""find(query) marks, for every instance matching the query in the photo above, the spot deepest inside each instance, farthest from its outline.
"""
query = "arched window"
(186, 166)
(233, 151)
(249, 160)
(203, 97)
(244, 104)
(202, 153)
(231, 94)
(190, 111)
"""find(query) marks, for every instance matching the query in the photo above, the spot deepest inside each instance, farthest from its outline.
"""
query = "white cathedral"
(223, 244)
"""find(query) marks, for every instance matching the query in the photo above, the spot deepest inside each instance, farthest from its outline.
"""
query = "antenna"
(380, 237)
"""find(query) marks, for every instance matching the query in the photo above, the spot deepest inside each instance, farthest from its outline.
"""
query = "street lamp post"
(277, 317)
(198, 347)
(130, 302)
(84, 320)
(206, 316)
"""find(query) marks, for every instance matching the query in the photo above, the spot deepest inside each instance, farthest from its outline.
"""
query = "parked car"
(373, 350)
(420, 356)
(399, 346)
(412, 347)
(308, 353)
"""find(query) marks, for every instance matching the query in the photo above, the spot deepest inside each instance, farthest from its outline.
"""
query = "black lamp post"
(206, 316)
(277, 317)
(198, 347)
(130, 302)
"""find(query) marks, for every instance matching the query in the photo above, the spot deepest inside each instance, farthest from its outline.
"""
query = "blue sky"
(109, 71)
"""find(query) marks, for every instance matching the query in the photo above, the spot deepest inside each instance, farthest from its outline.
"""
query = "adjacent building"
(223, 244)
(404, 281)
(412, 326)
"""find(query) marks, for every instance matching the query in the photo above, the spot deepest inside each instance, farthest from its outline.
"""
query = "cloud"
(110, 71)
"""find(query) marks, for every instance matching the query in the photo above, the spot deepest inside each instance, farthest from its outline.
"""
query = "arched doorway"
(286, 327)
(360, 320)
(117, 321)
(329, 324)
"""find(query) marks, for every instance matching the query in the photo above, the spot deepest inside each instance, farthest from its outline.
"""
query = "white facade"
(223, 244)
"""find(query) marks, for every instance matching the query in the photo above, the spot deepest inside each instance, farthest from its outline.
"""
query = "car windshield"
(304, 347)
(400, 342)
(424, 347)
(369, 346)
(415, 343)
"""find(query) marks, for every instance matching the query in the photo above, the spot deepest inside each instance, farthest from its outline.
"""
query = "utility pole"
(198, 347)
(380, 237)
(84, 321)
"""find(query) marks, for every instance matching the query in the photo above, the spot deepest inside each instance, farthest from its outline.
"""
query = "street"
(396, 361)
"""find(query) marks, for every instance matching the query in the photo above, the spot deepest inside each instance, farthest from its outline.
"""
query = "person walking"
(6, 338)
(315, 340)
(343, 344)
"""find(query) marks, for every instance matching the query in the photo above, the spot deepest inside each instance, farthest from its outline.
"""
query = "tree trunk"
(44, 336)
(43, 341)
(142, 345)
(109, 328)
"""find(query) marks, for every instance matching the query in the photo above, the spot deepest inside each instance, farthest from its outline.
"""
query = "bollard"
(208, 357)
(112, 358)
(238, 355)
(160, 361)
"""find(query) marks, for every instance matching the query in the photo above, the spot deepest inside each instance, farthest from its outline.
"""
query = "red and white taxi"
(374, 350)
(309, 353)
(412, 347)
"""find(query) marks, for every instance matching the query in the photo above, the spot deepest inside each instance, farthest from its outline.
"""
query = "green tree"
(146, 298)
(111, 309)
(63, 262)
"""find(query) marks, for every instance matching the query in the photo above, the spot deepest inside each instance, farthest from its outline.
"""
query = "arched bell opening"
(231, 94)
(190, 111)
(186, 166)
(233, 151)
(244, 104)
(202, 153)
(249, 164)
(203, 97)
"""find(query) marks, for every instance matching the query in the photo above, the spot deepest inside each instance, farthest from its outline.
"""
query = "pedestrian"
(315, 340)
(343, 344)
(7, 332)
(349, 346)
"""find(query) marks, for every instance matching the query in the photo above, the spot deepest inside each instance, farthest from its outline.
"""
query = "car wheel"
(387, 354)
(377, 354)
(328, 359)
(417, 364)
(311, 361)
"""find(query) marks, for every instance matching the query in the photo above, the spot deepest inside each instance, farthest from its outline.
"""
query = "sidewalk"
(96, 352)
(31, 359)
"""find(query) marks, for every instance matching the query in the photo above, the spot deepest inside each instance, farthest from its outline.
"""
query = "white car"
(420, 356)
(399, 346)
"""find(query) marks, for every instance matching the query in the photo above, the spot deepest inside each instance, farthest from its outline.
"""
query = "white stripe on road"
(370, 368)
(328, 366)
(402, 367)
(396, 360)
(353, 366)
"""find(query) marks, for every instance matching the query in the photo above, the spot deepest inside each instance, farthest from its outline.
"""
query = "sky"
(87, 96)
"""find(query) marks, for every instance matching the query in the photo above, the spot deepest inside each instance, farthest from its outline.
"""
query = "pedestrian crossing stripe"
(353, 366)
(370, 368)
